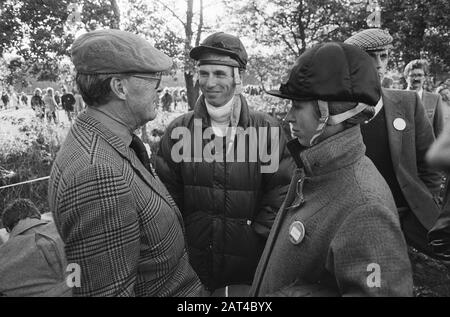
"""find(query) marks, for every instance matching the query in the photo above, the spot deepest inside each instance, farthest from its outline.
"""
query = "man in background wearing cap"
(338, 232)
(116, 218)
(416, 73)
(228, 207)
(397, 140)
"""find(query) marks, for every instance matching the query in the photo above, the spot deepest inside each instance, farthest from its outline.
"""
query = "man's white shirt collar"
(420, 93)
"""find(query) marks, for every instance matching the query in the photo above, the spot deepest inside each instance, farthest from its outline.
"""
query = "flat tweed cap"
(117, 52)
(371, 40)
(332, 72)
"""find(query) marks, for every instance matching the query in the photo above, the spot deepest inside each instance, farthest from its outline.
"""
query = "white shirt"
(420, 92)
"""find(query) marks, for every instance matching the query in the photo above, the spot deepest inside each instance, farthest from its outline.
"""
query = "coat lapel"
(259, 274)
(426, 100)
(392, 111)
(125, 152)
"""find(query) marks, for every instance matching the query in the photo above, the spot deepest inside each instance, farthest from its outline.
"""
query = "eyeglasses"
(149, 77)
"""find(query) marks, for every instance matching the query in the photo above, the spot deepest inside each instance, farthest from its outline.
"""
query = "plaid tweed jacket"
(118, 222)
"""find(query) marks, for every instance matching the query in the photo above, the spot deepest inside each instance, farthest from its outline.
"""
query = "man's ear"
(118, 88)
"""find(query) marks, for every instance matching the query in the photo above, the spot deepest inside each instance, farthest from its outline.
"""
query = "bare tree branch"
(265, 23)
(200, 25)
(173, 12)
(301, 26)
(116, 23)
(188, 25)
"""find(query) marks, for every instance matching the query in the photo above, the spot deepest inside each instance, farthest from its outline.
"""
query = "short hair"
(95, 89)
(50, 90)
(17, 210)
(440, 89)
(416, 64)
(37, 90)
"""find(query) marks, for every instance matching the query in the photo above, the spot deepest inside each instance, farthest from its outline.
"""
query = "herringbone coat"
(350, 225)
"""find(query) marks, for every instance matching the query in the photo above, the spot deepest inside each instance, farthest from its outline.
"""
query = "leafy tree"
(36, 31)
(294, 24)
(420, 30)
(287, 27)
(268, 69)
(193, 26)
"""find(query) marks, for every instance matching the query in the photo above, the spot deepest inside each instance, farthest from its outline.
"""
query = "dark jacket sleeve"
(438, 120)
(167, 169)
(368, 255)
(275, 185)
(424, 138)
(439, 235)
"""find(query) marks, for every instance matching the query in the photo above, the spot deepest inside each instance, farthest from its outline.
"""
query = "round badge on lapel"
(296, 232)
(399, 124)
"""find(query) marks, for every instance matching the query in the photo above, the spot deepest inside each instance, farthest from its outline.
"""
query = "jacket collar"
(26, 224)
(120, 129)
(85, 121)
(89, 123)
(336, 152)
(200, 112)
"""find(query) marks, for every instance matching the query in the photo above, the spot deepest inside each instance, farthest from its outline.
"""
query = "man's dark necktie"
(139, 148)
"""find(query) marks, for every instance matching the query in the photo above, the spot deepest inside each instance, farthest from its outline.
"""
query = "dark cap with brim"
(222, 44)
(214, 58)
(279, 94)
(332, 72)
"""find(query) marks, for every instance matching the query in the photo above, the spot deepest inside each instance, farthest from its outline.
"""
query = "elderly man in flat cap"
(397, 140)
(119, 224)
(229, 200)
(338, 232)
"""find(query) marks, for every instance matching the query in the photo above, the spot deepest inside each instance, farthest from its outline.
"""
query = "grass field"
(28, 147)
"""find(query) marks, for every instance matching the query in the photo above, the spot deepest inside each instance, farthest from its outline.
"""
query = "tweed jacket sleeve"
(368, 254)
(424, 139)
(99, 225)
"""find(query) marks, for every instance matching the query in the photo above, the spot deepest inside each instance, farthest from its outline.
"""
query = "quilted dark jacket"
(228, 207)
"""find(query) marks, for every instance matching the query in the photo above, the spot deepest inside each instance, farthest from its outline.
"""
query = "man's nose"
(377, 61)
(211, 81)
(289, 118)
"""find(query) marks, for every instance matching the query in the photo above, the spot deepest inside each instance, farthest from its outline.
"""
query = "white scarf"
(220, 117)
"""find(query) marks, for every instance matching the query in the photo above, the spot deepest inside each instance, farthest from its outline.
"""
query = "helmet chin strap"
(235, 108)
(325, 118)
(237, 81)
(336, 119)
